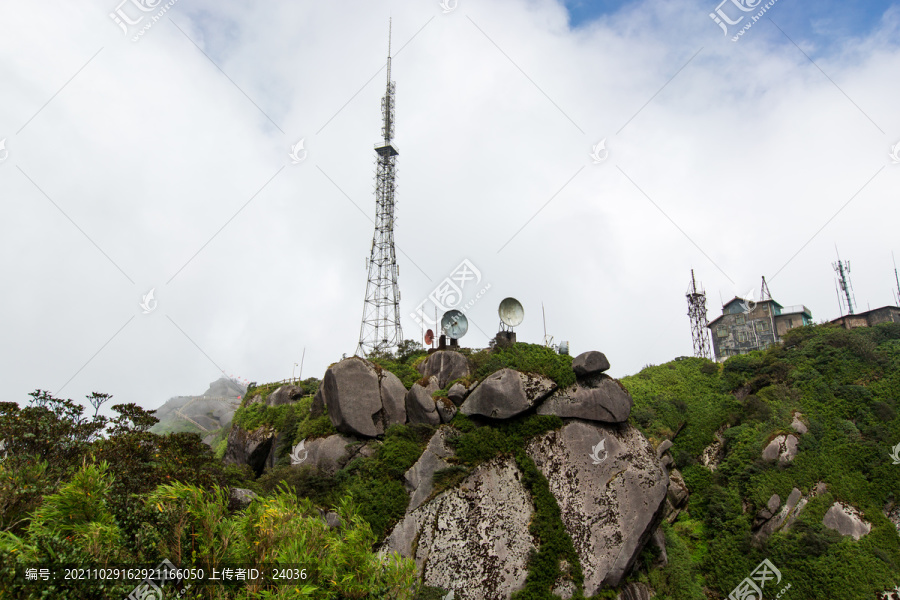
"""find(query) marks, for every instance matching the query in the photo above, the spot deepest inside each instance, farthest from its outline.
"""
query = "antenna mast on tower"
(842, 268)
(380, 329)
(697, 312)
(897, 279)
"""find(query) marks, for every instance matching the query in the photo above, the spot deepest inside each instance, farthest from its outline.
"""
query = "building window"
(739, 320)
(763, 325)
(741, 336)
(721, 332)
(790, 323)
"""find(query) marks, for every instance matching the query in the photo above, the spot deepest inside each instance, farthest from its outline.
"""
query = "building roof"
(865, 314)
(741, 301)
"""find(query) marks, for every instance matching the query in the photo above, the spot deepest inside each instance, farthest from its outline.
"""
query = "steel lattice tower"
(380, 329)
(697, 312)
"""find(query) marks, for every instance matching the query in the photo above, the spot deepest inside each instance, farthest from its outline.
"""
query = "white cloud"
(150, 150)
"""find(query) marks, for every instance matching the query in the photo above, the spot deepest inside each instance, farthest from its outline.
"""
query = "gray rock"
(445, 407)
(606, 401)
(325, 454)
(846, 520)
(333, 520)
(659, 540)
(589, 363)
(446, 365)
(506, 393)
(249, 447)
(714, 453)
(798, 425)
(472, 539)
(284, 395)
(610, 502)
(785, 517)
(239, 499)
(420, 406)
(892, 512)
(352, 395)
(393, 399)
(663, 448)
(419, 479)
(317, 408)
(782, 447)
(635, 591)
(457, 393)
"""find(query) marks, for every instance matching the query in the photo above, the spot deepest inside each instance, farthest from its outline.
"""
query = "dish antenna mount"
(454, 324)
(511, 314)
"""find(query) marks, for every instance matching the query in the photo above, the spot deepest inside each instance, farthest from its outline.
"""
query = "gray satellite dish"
(511, 312)
(454, 324)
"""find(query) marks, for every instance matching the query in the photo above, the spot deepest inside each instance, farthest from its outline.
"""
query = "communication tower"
(380, 329)
(697, 312)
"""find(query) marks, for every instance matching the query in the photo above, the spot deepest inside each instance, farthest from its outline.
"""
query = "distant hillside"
(205, 414)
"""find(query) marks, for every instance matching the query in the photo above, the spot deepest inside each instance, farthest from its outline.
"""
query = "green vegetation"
(846, 384)
(401, 363)
(527, 358)
(91, 492)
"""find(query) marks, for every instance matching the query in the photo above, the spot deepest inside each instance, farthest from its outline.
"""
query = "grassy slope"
(846, 384)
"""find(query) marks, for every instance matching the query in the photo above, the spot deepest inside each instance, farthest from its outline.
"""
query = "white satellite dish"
(454, 324)
(511, 312)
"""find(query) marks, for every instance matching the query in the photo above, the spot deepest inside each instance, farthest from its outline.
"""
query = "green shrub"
(527, 358)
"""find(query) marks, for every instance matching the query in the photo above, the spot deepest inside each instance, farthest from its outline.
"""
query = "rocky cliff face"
(474, 537)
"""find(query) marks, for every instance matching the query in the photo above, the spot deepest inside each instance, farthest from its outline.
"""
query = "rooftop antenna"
(548, 340)
(842, 268)
(697, 312)
(380, 328)
(764, 293)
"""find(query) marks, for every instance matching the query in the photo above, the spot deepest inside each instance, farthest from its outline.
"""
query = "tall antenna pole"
(842, 268)
(764, 293)
(896, 278)
(380, 328)
(697, 312)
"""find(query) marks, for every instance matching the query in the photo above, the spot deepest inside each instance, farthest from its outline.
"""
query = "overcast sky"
(162, 162)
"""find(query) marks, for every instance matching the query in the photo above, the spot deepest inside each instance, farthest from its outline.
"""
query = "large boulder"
(602, 399)
(768, 521)
(589, 363)
(457, 393)
(446, 365)
(610, 489)
(846, 520)
(420, 406)
(250, 447)
(285, 394)
(361, 399)
(472, 539)
(419, 479)
(507, 393)
(782, 447)
(326, 455)
(393, 398)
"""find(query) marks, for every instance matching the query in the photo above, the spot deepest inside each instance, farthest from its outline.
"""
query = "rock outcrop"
(590, 363)
(446, 365)
(782, 447)
(472, 539)
(250, 447)
(420, 406)
(846, 520)
(285, 394)
(326, 454)
(361, 399)
(419, 479)
(602, 399)
(610, 502)
(506, 394)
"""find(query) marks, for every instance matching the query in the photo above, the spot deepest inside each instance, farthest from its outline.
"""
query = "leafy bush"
(527, 358)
